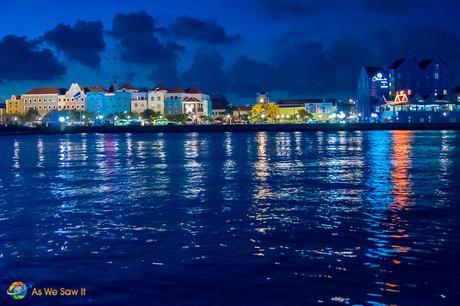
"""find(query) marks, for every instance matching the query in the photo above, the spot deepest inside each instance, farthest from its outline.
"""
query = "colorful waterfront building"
(138, 97)
(192, 102)
(156, 99)
(14, 106)
(72, 99)
(409, 90)
(102, 102)
(42, 99)
(373, 87)
(2, 113)
(289, 108)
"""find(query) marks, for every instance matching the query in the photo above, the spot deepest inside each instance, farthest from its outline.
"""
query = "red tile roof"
(176, 90)
(193, 91)
(95, 89)
(43, 91)
(128, 86)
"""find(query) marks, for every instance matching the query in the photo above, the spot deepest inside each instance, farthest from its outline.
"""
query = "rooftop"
(44, 91)
(193, 91)
(95, 89)
(176, 90)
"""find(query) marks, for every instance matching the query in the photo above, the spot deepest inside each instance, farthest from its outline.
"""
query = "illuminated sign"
(380, 78)
(401, 98)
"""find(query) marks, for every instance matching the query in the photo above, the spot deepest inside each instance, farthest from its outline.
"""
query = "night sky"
(290, 48)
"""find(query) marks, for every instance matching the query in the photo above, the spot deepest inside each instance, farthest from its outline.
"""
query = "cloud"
(388, 6)
(82, 42)
(207, 71)
(165, 73)
(249, 76)
(136, 32)
(203, 31)
(302, 68)
(20, 59)
(284, 8)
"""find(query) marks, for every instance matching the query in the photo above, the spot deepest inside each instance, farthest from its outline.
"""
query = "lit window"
(436, 75)
(444, 92)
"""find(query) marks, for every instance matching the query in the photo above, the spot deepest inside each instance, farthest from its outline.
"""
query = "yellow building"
(14, 106)
(320, 109)
(290, 108)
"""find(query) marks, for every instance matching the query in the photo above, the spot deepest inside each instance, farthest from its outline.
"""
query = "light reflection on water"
(346, 217)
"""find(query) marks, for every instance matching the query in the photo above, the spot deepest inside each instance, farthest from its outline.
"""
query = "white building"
(195, 101)
(156, 99)
(73, 99)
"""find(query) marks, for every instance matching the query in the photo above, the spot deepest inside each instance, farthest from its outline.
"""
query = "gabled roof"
(372, 70)
(113, 87)
(191, 99)
(193, 91)
(95, 89)
(43, 91)
(425, 63)
(397, 63)
(128, 86)
(176, 90)
(160, 87)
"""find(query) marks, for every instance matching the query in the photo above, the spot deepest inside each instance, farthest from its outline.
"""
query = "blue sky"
(291, 48)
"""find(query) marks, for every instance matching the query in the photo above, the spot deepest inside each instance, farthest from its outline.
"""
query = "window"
(444, 92)
(436, 75)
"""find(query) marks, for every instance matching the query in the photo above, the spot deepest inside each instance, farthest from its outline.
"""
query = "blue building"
(373, 87)
(173, 101)
(193, 102)
(408, 90)
(99, 101)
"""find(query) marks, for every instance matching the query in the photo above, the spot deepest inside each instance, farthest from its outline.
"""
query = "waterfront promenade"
(18, 130)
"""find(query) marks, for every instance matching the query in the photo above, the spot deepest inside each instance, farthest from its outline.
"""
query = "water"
(249, 218)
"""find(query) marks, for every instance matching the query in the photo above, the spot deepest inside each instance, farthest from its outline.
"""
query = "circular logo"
(17, 290)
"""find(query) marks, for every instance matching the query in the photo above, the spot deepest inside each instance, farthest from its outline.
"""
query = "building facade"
(14, 106)
(406, 86)
(2, 113)
(42, 99)
(72, 99)
(320, 109)
(191, 101)
(103, 103)
(139, 102)
(156, 99)
(373, 85)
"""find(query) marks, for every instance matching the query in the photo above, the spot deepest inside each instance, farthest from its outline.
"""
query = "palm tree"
(272, 111)
(267, 110)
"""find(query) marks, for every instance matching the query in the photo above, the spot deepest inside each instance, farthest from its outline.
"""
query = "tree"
(31, 115)
(265, 111)
(304, 115)
(149, 114)
(182, 118)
